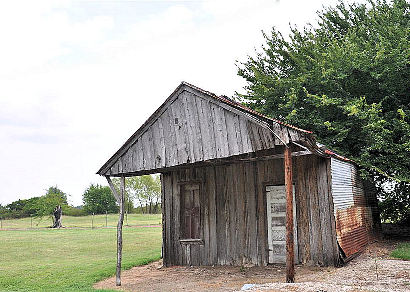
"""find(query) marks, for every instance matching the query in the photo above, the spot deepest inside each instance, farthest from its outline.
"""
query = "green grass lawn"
(402, 251)
(71, 259)
(84, 221)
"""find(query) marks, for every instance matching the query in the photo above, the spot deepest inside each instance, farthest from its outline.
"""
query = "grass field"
(84, 221)
(72, 259)
(402, 251)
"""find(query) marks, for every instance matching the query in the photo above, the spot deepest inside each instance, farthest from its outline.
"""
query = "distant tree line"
(40, 207)
(145, 191)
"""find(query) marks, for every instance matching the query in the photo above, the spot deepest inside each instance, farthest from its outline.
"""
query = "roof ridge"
(249, 110)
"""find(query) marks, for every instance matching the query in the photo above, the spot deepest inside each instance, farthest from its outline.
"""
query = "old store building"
(223, 185)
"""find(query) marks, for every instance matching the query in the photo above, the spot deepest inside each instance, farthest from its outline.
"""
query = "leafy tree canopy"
(3, 211)
(146, 189)
(57, 191)
(98, 199)
(346, 78)
(46, 204)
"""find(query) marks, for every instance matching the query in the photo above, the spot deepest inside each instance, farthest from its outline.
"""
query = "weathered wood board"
(191, 127)
(234, 228)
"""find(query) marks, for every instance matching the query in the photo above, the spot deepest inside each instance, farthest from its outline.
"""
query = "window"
(190, 211)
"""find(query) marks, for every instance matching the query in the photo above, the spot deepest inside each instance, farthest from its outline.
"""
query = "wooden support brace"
(113, 190)
(290, 265)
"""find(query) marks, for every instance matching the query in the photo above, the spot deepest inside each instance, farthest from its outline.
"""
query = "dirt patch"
(371, 271)
(154, 277)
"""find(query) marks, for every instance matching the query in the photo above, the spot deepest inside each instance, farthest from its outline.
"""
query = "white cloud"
(73, 89)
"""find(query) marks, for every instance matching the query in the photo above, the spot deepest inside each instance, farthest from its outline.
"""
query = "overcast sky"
(77, 78)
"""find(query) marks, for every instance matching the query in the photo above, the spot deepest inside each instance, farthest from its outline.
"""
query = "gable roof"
(195, 125)
(240, 106)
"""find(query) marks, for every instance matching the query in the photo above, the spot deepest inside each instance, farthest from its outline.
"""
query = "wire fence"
(90, 221)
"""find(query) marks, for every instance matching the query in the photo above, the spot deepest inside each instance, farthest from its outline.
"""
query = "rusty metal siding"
(353, 215)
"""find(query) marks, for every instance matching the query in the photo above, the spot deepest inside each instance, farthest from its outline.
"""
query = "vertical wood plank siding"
(196, 128)
(353, 213)
(233, 213)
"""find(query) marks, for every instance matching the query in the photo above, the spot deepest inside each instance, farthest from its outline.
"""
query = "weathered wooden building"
(223, 185)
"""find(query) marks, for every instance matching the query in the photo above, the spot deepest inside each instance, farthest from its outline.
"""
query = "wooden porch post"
(120, 199)
(290, 267)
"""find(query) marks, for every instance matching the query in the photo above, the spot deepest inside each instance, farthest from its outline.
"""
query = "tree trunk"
(58, 213)
(129, 205)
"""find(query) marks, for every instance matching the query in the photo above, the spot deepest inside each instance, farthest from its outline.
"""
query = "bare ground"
(359, 274)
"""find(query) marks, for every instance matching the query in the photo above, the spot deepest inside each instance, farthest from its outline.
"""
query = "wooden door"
(276, 215)
(190, 210)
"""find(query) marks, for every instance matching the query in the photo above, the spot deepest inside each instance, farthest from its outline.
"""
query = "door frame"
(267, 213)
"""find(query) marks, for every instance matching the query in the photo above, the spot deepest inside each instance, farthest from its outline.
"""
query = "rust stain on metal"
(353, 213)
(353, 228)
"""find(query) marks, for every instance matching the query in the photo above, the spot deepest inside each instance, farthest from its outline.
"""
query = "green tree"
(46, 204)
(151, 190)
(128, 196)
(31, 206)
(56, 190)
(395, 203)
(346, 78)
(146, 189)
(23, 208)
(3, 212)
(98, 199)
(16, 208)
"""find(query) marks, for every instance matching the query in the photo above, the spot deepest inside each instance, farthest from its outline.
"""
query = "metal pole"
(290, 267)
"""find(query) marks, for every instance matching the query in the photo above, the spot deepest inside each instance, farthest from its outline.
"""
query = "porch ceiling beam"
(215, 162)
(278, 156)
